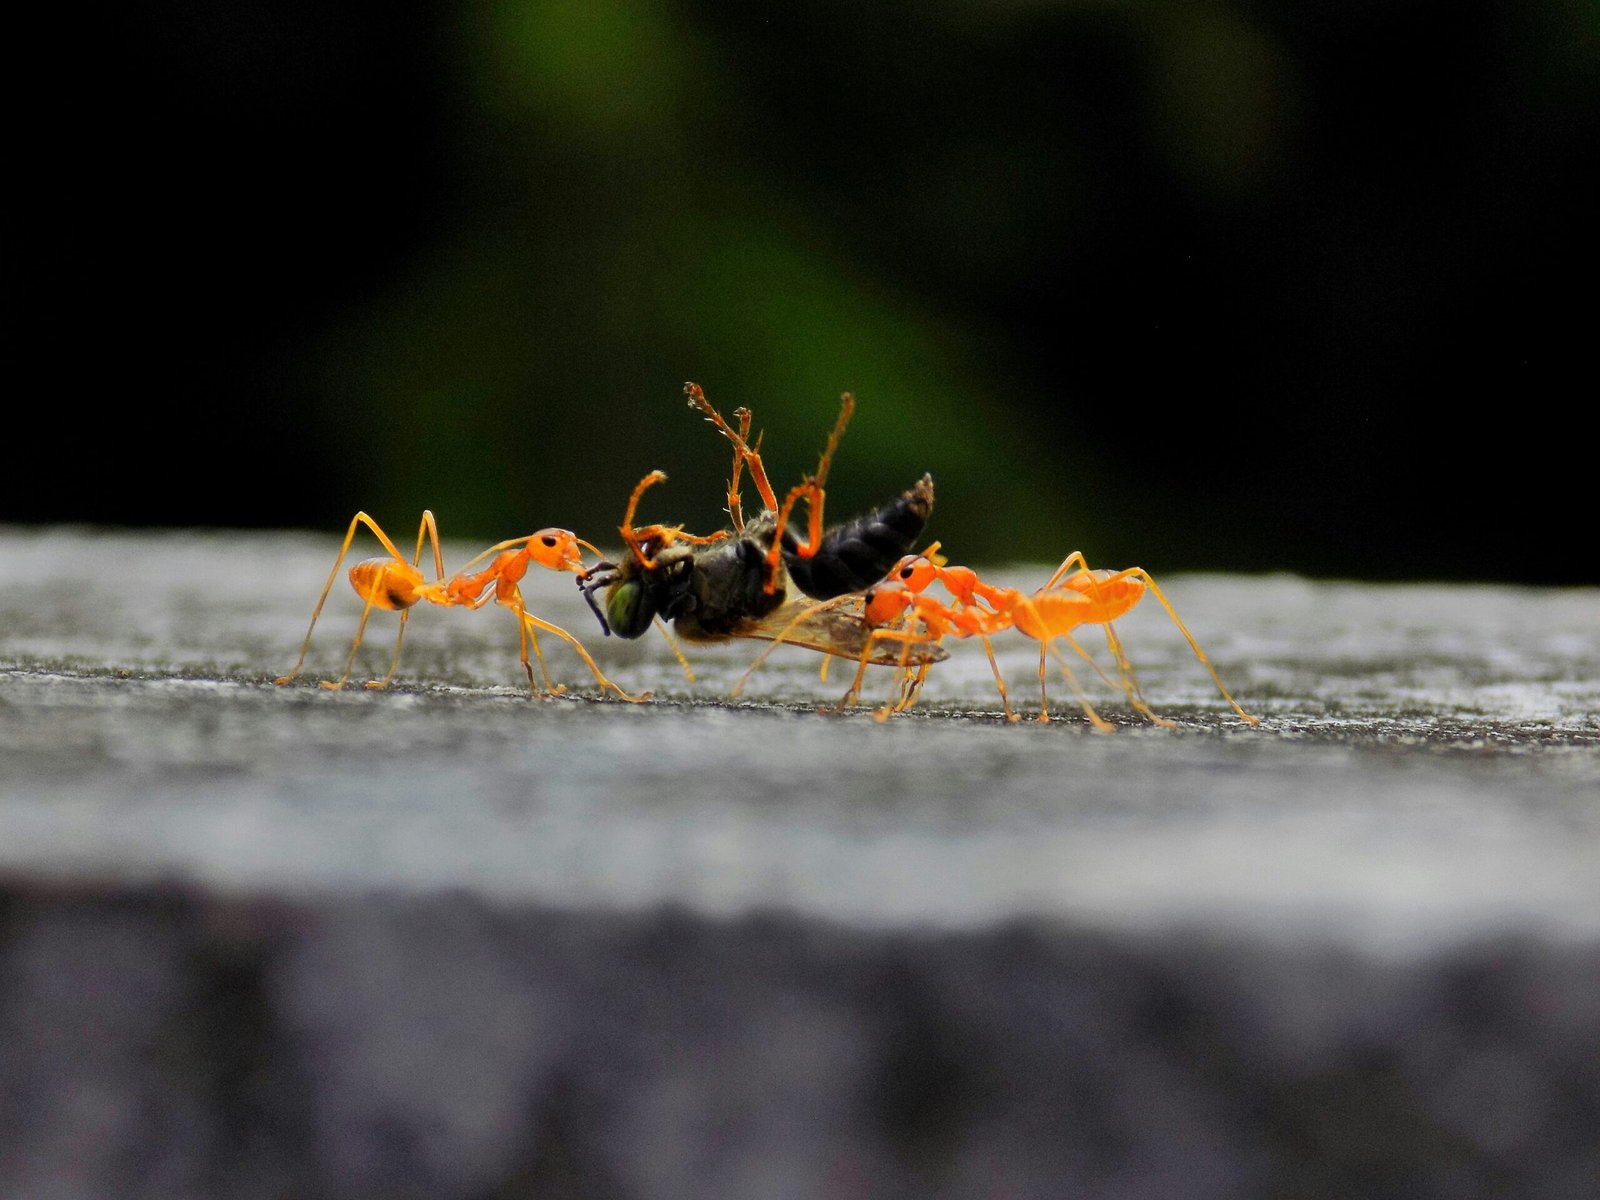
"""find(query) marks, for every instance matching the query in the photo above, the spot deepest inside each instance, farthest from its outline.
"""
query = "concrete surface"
(447, 940)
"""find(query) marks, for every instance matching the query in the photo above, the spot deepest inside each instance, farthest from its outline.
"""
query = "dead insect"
(734, 583)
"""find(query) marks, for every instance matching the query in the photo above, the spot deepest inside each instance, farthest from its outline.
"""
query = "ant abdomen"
(386, 583)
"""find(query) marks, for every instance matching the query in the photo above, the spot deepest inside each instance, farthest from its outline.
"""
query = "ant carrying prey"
(899, 610)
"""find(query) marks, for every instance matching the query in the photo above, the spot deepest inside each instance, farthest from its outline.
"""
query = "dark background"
(1231, 285)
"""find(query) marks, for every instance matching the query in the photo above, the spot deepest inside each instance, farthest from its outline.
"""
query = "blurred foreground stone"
(447, 941)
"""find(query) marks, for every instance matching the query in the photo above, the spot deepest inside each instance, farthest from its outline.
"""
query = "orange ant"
(396, 585)
(1074, 595)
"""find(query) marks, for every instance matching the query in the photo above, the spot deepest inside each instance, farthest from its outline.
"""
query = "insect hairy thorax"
(728, 587)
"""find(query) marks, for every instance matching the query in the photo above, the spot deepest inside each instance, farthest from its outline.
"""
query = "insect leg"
(605, 684)
(1075, 559)
(673, 642)
(1130, 681)
(427, 531)
(909, 681)
(525, 631)
(1100, 724)
(999, 679)
(1046, 636)
(349, 662)
(1143, 575)
(633, 539)
(742, 452)
(665, 535)
(882, 634)
(735, 499)
(812, 489)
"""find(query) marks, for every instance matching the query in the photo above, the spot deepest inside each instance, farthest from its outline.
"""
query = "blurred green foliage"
(1181, 283)
(527, 370)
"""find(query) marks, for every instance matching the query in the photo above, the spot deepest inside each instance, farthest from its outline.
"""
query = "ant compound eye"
(628, 610)
(548, 540)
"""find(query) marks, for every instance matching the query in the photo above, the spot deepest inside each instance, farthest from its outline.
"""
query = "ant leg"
(905, 634)
(1127, 680)
(1078, 649)
(904, 674)
(1045, 645)
(633, 540)
(429, 530)
(1100, 724)
(735, 499)
(1141, 573)
(605, 684)
(1075, 559)
(356, 522)
(666, 534)
(350, 661)
(1130, 681)
(525, 631)
(911, 684)
(849, 698)
(999, 679)
(741, 448)
(394, 663)
(812, 489)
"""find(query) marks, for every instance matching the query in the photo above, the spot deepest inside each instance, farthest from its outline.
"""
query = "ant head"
(556, 549)
(917, 571)
(884, 602)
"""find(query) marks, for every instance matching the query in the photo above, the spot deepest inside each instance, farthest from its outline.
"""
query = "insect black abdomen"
(856, 555)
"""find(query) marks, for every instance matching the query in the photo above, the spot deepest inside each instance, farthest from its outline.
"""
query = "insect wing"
(839, 631)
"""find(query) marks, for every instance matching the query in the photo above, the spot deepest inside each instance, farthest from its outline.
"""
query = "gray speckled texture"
(447, 940)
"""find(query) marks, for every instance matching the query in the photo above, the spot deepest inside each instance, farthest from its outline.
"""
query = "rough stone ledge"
(448, 941)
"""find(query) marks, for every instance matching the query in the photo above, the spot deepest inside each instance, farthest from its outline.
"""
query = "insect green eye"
(628, 609)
